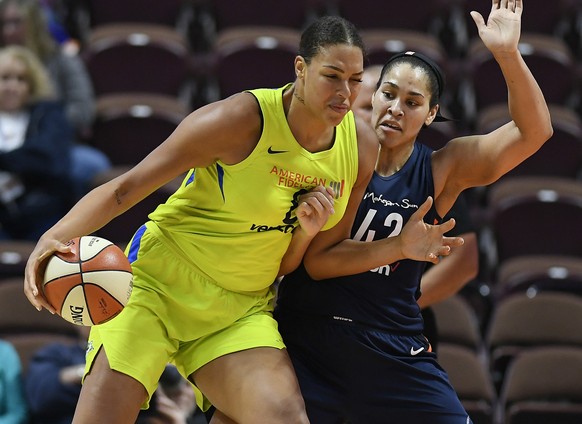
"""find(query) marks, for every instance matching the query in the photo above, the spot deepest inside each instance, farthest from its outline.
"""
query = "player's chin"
(340, 109)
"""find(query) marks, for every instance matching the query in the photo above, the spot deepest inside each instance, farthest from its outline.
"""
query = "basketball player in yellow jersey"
(269, 170)
(234, 241)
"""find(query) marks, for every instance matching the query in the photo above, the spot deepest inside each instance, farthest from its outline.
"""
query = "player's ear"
(432, 113)
(299, 66)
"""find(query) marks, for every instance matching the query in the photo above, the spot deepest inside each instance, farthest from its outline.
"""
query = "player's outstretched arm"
(417, 241)
(200, 139)
(479, 160)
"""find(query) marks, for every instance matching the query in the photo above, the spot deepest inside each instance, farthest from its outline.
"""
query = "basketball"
(91, 284)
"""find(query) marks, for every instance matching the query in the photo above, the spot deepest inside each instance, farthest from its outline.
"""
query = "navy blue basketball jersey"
(385, 297)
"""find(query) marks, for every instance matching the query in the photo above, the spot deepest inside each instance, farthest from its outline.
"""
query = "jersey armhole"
(260, 113)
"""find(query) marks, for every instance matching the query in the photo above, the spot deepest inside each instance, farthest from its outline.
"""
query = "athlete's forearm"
(90, 213)
(294, 254)
(353, 257)
(526, 102)
(451, 274)
(417, 241)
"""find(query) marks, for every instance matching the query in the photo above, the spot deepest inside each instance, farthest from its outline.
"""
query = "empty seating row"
(154, 58)
(542, 386)
(202, 20)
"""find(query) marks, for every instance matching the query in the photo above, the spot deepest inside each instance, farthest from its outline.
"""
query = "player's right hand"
(425, 242)
(315, 208)
(34, 271)
(501, 32)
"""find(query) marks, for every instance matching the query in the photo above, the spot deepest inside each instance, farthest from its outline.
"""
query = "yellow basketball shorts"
(175, 315)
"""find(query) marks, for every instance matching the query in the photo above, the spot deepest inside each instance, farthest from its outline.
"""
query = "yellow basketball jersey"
(234, 222)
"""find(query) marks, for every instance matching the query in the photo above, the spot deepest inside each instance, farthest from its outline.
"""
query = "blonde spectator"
(35, 145)
(25, 23)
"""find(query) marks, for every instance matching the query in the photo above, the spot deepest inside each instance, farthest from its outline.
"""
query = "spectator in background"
(53, 10)
(25, 22)
(53, 380)
(13, 408)
(174, 402)
(35, 147)
(455, 270)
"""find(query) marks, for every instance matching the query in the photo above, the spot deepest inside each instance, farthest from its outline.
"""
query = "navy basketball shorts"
(354, 375)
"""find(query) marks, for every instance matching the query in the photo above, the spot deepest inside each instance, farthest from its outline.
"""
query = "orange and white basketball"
(91, 284)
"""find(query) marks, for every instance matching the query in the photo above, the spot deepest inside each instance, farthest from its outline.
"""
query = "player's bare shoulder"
(246, 125)
(227, 130)
(242, 107)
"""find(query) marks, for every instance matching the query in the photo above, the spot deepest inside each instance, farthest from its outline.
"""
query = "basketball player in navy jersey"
(350, 318)
(455, 270)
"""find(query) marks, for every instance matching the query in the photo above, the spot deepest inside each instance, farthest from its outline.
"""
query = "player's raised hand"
(315, 208)
(34, 271)
(501, 31)
(425, 242)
